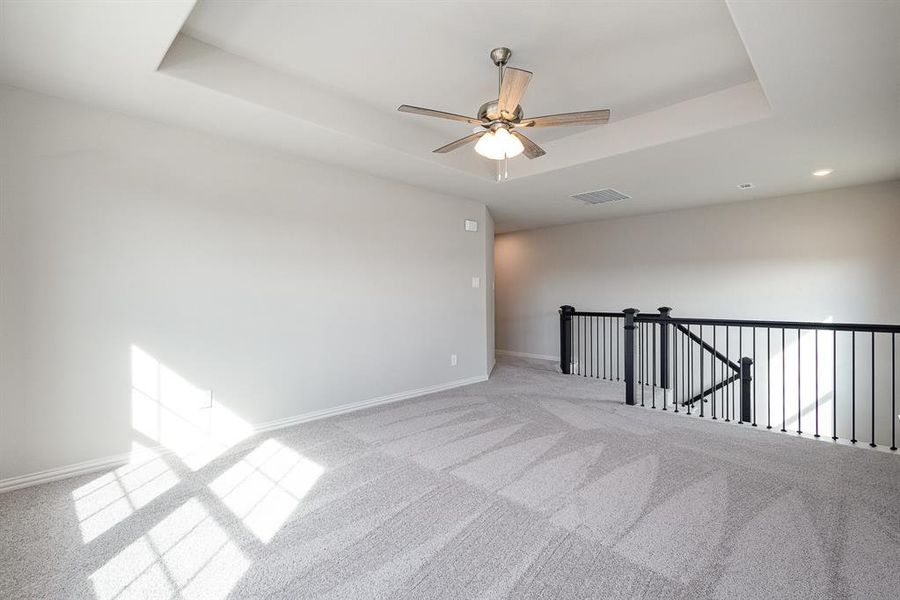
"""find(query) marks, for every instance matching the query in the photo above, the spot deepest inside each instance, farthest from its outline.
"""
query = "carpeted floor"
(531, 485)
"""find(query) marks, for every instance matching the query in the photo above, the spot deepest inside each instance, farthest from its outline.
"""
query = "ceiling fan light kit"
(500, 119)
(499, 144)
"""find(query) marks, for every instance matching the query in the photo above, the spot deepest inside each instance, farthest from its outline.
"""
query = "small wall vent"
(601, 196)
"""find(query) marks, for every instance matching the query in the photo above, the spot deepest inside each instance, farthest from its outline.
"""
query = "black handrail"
(857, 327)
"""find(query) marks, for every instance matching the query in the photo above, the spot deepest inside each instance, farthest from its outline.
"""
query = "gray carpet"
(531, 485)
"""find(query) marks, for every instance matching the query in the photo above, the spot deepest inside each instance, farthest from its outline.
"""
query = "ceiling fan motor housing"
(489, 111)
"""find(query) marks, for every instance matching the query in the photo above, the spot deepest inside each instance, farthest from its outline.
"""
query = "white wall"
(810, 257)
(283, 286)
(832, 255)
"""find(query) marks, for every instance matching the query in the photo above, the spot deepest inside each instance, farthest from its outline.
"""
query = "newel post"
(664, 312)
(746, 379)
(629, 328)
(565, 338)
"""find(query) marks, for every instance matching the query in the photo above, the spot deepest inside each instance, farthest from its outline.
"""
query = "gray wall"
(285, 287)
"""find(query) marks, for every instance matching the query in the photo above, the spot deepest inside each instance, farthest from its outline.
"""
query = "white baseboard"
(527, 355)
(110, 462)
(89, 466)
(354, 406)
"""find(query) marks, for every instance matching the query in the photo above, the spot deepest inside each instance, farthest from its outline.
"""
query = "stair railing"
(833, 380)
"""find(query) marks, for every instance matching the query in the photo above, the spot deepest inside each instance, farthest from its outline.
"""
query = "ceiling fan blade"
(512, 88)
(459, 143)
(427, 112)
(532, 150)
(588, 117)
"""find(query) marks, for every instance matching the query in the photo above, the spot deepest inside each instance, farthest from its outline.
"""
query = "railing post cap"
(746, 360)
(565, 308)
(630, 311)
(665, 310)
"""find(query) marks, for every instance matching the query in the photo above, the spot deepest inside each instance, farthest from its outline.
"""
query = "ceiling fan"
(501, 120)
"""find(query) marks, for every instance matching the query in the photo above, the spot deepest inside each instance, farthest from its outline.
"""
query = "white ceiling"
(705, 95)
(636, 57)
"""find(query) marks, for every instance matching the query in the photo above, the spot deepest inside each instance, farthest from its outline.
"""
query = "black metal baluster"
(783, 384)
(690, 393)
(834, 434)
(647, 371)
(701, 371)
(872, 442)
(590, 358)
(601, 333)
(816, 388)
(754, 378)
(574, 344)
(769, 378)
(643, 360)
(653, 389)
(571, 346)
(585, 347)
(603, 321)
(740, 356)
(713, 375)
(579, 361)
(584, 371)
(673, 382)
(604, 354)
(893, 392)
(727, 371)
(580, 345)
(682, 381)
(610, 349)
(576, 326)
(640, 362)
(853, 388)
(799, 404)
(618, 347)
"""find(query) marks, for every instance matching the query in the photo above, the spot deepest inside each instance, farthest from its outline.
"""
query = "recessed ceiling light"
(745, 186)
(823, 172)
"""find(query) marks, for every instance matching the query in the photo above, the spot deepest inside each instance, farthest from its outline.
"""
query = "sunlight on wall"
(113, 497)
(187, 554)
(266, 486)
(787, 376)
(170, 410)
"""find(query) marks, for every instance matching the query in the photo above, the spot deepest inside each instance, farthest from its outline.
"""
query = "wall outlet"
(471, 225)
(452, 360)
(476, 282)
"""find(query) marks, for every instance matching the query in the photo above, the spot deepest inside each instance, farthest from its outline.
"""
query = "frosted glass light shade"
(499, 145)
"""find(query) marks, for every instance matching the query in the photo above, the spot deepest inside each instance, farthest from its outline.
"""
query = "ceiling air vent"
(601, 196)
